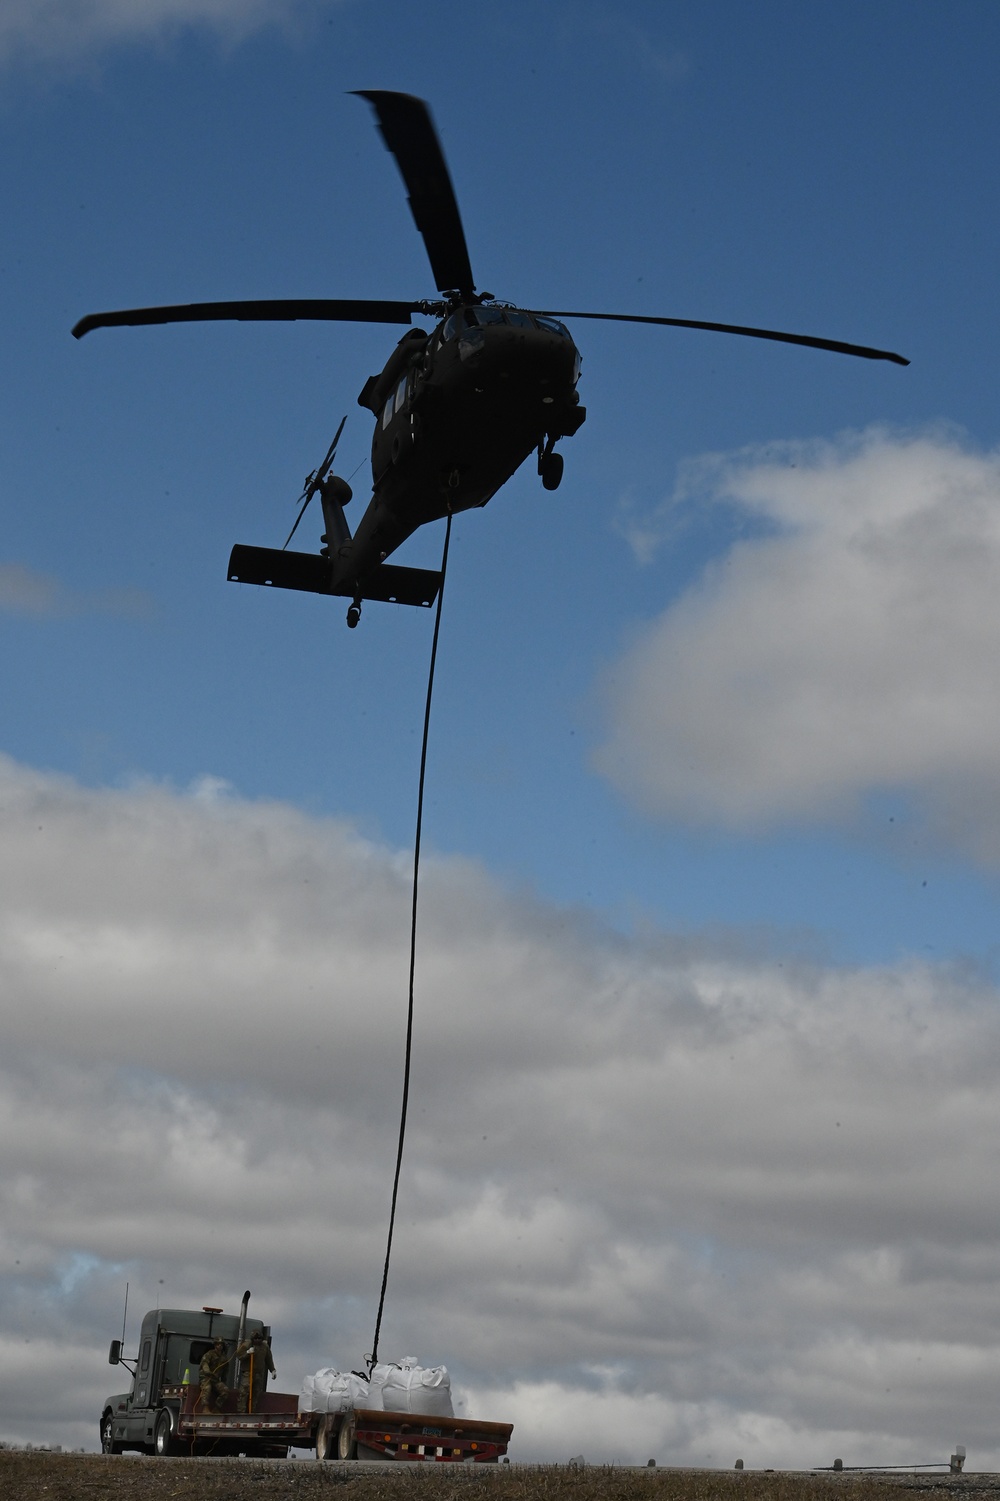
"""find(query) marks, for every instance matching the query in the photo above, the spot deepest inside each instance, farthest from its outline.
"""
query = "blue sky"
(732, 688)
(777, 170)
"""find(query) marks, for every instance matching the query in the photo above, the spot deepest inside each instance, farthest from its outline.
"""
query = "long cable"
(413, 944)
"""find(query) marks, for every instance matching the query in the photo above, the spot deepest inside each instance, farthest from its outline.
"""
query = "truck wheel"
(108, 1445)
(324, 1438)
(347, 1446)
(163, 1435)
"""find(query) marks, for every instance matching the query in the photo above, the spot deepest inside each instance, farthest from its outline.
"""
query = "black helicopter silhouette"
(457, 410)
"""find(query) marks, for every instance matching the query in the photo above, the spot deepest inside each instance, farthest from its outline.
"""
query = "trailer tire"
(347, 1444)
(163, 1434)
(324, 1438)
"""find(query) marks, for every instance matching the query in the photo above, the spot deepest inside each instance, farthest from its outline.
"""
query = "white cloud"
(851, 650)
(743, 1209)
(42, 596)
(73, 28)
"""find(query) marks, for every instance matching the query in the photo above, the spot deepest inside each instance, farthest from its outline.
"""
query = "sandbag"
(409, 1387)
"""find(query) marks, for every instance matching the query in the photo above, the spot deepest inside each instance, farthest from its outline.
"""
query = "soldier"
(214, 1390)
(255, 1354)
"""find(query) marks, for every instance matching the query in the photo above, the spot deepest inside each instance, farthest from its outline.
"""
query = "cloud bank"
(656, 1201)
(74, 28)
(850, 651)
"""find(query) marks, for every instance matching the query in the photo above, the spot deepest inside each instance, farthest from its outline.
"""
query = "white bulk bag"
(307, 1394)
(376, 1380)
(331, 1390)
(409, 1387)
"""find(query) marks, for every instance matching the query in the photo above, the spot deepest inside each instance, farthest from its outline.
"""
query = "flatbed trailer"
(361, 1433)
(364, 1433)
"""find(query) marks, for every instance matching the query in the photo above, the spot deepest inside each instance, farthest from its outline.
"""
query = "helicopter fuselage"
(457, 411)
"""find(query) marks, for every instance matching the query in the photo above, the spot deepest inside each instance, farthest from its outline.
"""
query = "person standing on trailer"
(214, 1390)
(255, 1353)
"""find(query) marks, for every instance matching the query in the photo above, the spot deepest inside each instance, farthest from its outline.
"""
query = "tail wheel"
(550, 466)
(347, 1444)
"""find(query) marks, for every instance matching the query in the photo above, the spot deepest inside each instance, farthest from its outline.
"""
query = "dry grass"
(34, 1476)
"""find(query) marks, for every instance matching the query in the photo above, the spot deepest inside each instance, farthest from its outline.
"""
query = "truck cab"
(172, 1342)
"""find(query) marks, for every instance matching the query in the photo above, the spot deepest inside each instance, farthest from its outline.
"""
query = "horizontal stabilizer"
(282, 570)
(304, 570)
(399, 586)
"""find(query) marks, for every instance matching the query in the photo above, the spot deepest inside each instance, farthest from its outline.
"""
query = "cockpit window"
(519, 319)
(487, 315)
(400, 393)
(553, 325)
(450, 328)
(387, 413)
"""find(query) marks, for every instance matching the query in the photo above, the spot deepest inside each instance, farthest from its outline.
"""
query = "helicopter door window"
(387, 413)
(401, 394)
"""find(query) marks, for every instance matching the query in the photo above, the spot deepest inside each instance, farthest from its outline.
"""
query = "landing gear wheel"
(353, 616)
(347, 1446)
(163, 1435)
(551, 469)
(108, 1445)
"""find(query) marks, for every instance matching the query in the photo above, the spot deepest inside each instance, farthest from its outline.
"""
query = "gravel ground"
(35, 1476)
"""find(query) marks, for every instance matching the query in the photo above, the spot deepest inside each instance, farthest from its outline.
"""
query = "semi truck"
(162, 1412)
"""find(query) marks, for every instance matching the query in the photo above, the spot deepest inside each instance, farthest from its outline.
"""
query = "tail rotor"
(315, 481)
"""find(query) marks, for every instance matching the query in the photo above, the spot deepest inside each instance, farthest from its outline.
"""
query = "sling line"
(413, 946)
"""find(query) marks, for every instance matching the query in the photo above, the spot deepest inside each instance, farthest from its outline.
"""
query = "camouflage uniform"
(214, 1390)
(257, 1348)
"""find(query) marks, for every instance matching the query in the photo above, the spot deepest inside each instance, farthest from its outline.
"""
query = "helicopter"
(457, 409)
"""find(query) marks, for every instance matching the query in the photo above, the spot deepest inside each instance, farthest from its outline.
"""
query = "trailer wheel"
(324, 1438)
(163, 1435)
(108, 1445)
(347, 1444)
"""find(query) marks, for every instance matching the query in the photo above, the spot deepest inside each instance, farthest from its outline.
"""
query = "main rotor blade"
(408, 131)
(289, 309)
(810, 340)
